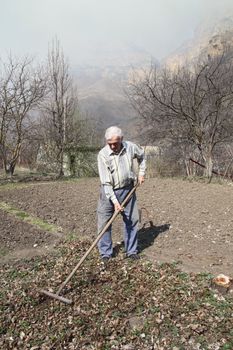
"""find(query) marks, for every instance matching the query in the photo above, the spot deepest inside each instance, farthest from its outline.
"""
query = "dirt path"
(186, 222)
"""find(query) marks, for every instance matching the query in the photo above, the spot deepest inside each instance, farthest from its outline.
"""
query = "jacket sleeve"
(106, 179)
(139, 154)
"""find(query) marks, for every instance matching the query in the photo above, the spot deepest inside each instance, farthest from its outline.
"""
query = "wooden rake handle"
(113, 217)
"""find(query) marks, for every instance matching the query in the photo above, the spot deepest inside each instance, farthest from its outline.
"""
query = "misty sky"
(157, 26)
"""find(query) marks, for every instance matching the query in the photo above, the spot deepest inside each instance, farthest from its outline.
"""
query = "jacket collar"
(110, 152)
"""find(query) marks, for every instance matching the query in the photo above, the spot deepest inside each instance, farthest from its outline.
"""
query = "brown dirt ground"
(187, 222)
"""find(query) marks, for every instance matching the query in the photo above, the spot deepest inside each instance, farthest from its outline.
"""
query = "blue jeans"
(130, 220)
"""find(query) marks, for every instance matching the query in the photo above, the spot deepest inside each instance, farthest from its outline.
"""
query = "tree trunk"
(10, 169)
(61, 171)
(208, 165)
(187, 167)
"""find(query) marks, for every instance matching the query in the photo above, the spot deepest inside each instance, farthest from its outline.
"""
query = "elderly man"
(115, 164)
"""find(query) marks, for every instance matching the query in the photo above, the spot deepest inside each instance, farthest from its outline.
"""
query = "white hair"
(113, 131)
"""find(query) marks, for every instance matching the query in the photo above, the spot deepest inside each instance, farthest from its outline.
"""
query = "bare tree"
(22, 88)
(61, 102)
(191, 105)
(223, 160)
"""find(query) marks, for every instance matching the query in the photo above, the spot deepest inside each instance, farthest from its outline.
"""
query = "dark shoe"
(105, 259)
(104, 262)
(134, 257)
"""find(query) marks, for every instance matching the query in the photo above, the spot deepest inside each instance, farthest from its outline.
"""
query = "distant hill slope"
(209, 38)
(101, 85)
(102, 80)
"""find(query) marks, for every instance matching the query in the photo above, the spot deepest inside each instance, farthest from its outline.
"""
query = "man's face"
(115, 143)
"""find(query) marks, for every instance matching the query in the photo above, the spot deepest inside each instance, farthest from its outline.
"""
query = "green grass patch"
(13, 186)
(24, 216)
(3, 252)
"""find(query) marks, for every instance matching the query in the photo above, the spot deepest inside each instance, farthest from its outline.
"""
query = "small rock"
(22, 335)
(136, 322)
(129, 346)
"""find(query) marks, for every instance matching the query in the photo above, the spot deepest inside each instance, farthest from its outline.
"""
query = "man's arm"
(140, 155)
(105, 179)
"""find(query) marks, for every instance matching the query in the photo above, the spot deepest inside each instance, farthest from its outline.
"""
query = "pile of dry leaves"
(127, 305)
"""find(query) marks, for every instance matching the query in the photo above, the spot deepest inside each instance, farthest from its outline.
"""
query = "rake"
(57, 294)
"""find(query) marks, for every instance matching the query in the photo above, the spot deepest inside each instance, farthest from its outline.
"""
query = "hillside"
(103, 79)
(102, 82)
(209, 39)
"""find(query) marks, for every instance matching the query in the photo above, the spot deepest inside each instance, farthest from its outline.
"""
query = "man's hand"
(141, 179)
(118, 207)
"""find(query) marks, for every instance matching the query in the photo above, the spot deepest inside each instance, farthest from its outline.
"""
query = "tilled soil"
(16, 234)
(185, 222)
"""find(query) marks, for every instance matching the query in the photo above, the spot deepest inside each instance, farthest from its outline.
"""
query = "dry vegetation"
(125, 306)
(154, 303)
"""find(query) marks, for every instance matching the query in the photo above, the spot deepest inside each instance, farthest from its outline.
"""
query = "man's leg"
(130, 218)
(104, 211)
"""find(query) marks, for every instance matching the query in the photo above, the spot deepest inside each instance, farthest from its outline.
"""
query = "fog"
(86, 27)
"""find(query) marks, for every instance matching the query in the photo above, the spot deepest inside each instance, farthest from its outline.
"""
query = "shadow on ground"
(147, 235)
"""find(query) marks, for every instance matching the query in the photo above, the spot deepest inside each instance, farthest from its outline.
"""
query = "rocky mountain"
(209, 38)
(103, 79)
